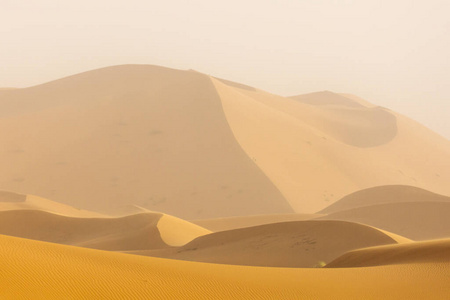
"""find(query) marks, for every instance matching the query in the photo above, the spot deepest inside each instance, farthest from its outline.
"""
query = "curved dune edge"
(16, 201)
(140, 130)
(287, 244)
(177, 232)
(435, 251)
(114, 234)
(222, 224)
(413, 220)
(383, 194)
(38, 270)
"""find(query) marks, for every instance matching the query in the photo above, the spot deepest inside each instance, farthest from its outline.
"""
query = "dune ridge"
(134, 232)
(384, 194)
(434, 251)
(222, 224)
(414, 220)
(287, 244)
(16, 201)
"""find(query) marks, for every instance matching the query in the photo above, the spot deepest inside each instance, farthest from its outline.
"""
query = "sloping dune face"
(288, 244)
(436, 251)
(143, 135)
(134, 232)
(222, 224)
(384, 194)
(14, 201)
(317, 148)
(414, 220)
(38, 270)
(127, 233)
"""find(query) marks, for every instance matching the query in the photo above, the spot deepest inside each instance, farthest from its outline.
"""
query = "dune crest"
(133, 232)
(435, 251)
(298, 244)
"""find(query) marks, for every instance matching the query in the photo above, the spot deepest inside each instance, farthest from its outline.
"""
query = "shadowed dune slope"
(39, 270)
(141, 231)
(288, 244)
(384, 194)
(132, 134)
(317, 154)
(15, 201)
(414, 220)
(222, 224)
(435, 251)
(126, 233)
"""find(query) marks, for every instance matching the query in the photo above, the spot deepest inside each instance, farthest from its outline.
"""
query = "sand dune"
(435, 251)
(15, 201)
(38, 270)
(384, 194)
(288, 244)
(414, 220)
(317, 154)
(222, 224)
(172, 141)
(143, 135)
(141, 231)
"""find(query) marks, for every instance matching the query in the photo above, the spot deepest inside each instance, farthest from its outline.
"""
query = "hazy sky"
(392, 53)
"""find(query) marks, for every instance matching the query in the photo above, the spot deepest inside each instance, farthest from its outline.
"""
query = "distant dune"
(15, 201)
(39, 270)
(414, 220)
(435, 251)
(383, 194)
(135, 232)
(199, 147)
(288, 244)
(143, 135)
(221, 224)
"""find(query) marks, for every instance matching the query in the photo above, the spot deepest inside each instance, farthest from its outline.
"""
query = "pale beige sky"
(392, 53)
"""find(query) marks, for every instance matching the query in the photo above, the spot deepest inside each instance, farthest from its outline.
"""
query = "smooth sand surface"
(414, 220)
(39, 270)
(222, 224)
(135, 232)
(15, 201)
(317, 154)
(197, 147)
(384, 194)
(287, 244)
(434, 251)
(132, 134)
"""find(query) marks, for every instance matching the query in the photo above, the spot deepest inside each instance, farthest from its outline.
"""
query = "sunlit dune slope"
(435, 251)
(319, 147)
(287, 244)
(221, 224)
(141, 231)
(414, 220)
(38, 270)
(132, 134)
(384, 194)
(15, 201)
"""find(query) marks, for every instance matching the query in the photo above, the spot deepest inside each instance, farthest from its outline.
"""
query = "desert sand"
(435, 251)
(300, 244)
(39, 270)
(222, 224)
(135, 232)
(170, 184)
(15, 201)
